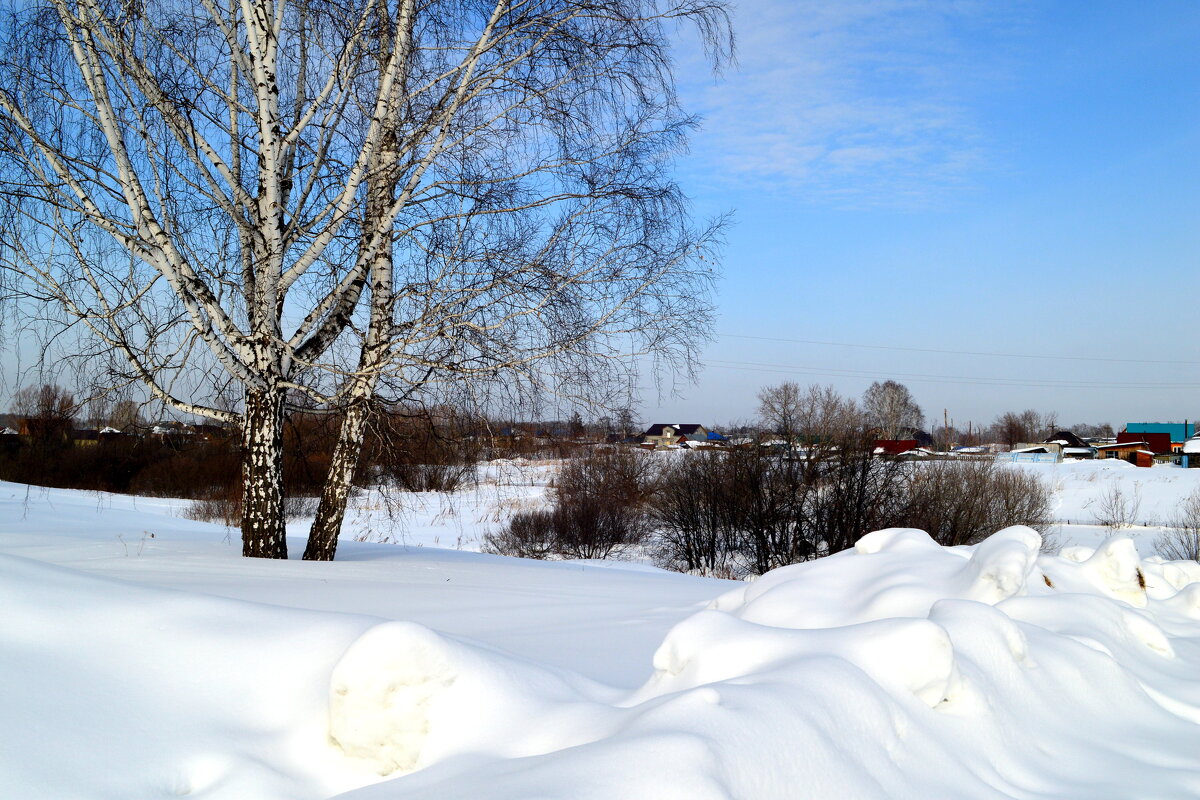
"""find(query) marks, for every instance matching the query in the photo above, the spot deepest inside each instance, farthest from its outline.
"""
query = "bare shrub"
(597, 510)
(851, 493)
(223, 505)
(444, 477)
(690, 522)
(220, 505)
(528, 534)
(616, 475)
(755, 510)
(424, 455)
(295, 508)
(1116, 509)
(1182, 541)
(963, 502)
(750, 510)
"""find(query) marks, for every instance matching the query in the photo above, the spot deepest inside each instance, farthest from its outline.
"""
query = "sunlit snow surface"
(141, 657)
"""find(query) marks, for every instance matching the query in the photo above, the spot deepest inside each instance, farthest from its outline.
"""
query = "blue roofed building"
(1179, 431)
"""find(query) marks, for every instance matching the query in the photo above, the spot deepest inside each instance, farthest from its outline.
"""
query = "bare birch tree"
(210, 191)
(890, 407)
(549, 245)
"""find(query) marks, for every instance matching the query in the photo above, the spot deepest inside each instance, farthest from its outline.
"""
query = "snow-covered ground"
(1079, 489)
(142, 657)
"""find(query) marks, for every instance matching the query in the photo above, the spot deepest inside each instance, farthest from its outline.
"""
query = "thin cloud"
(856, 102)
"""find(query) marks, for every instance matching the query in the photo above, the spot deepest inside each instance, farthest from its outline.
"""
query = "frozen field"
(141, 657)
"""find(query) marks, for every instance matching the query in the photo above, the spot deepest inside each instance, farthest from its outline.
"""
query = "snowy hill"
(143, 658)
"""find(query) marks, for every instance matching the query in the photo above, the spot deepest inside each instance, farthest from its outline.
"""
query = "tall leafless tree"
(890, 407)
(48, 401)
(348, 200)
(1030, 425)
(779, 409)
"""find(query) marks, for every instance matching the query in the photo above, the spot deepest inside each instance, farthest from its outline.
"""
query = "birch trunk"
(323, 536)
(381, 187)
(262, 472)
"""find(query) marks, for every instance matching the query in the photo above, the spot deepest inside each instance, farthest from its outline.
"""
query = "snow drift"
(897, 669)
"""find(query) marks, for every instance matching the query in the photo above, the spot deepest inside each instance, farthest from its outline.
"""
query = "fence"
(1027, 458)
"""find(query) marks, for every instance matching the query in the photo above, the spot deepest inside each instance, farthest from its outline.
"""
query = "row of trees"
(747, 510)
(413, 450)
(815, 413)
(52, 406)
(234, 204)
(889, 409)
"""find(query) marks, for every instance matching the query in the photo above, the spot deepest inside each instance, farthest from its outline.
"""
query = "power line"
(958, 352)
(789, 369)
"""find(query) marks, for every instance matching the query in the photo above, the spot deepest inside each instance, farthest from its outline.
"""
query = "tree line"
(809, 488)
(889, 409)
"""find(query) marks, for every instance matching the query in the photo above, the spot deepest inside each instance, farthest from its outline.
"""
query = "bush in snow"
(597, 510)
(421, 454)
(1182, 541)
(223, 505)
(528, 534)
(691, 513)
(1116, 509)
(964, 502)
(746, 511)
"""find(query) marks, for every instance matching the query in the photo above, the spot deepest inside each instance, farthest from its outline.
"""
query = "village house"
(1072, 446)
(1137, 453)
(662, 435)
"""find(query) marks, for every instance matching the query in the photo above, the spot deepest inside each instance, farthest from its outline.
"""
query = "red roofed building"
(894, 447)
(1155, 442)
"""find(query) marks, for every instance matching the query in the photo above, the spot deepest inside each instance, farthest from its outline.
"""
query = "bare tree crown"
(262, 198)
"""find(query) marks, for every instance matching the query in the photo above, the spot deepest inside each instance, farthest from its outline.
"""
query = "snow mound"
(898, 572)
(896, 669)
(120, 691)
(404, 696)
(908, 656)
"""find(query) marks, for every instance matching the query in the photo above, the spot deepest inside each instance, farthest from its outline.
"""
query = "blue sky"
(1016, 178)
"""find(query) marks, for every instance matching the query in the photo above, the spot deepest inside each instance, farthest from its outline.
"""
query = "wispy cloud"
(856, 101)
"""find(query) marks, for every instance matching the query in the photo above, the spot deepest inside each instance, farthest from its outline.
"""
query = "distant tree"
(48, 401)
(49, 411)
(779, 409)
(626, 422)
(126, 415)
(575, 428)
(890, 407)
(1012, 427)
(99, 410)
(1103, 430)
(824, 416)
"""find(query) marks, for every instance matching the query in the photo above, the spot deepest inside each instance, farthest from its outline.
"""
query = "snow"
(143, 658)
(1078, 489)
